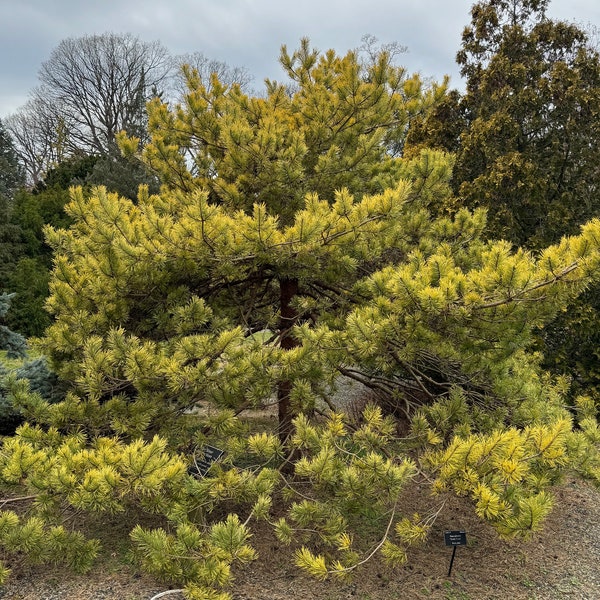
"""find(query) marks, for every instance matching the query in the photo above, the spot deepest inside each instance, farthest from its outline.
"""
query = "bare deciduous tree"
(99, 84)
(206, 67)
(94, 86)
(38, 133)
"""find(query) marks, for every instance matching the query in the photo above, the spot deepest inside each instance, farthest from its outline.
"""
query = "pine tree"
(289, 248)
(265, 156)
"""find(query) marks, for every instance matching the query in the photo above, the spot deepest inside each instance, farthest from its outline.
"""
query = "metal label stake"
(454, 539)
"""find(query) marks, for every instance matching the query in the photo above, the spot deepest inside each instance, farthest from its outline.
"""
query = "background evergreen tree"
(11, 179)
(528, 152)
(29, 258)
(524, 133)
(11, 171)
(13, 343)
(14, 359)
(12, 244)
(122, 174)
(15, 346)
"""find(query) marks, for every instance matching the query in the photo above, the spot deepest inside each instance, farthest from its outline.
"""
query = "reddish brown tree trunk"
(288, 290)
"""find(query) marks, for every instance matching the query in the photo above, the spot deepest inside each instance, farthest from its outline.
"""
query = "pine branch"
(20, 499)
(375, 550)
(167, 593)
(572, 267)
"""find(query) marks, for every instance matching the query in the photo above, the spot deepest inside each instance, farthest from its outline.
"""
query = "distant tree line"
(93, 87)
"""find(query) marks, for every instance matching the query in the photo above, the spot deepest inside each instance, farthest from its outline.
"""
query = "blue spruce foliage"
(41, 379)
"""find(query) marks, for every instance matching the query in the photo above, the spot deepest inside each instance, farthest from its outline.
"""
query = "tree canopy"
(528, 152)
(98, 86)
(91, 88)
(333, 125)
(524, 134)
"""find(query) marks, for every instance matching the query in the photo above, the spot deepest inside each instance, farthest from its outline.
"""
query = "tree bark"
(287, 318)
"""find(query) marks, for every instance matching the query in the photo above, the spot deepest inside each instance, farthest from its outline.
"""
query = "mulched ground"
(562, 562)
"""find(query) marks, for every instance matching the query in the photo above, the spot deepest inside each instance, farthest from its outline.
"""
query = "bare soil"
(561, 562)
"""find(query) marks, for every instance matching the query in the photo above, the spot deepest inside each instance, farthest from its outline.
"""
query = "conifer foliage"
(15, 363)
(290, 248)
(528, 151)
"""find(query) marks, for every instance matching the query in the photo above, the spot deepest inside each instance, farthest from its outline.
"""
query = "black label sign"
(210, 455)
(455, 538)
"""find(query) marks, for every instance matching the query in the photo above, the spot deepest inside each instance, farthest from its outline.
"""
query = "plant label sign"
(210, 455)
(455, 538)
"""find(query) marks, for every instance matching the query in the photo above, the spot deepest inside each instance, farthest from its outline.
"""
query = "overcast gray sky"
(245, 33)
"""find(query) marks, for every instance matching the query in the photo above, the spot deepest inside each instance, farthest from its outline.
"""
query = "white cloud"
(242, 32)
